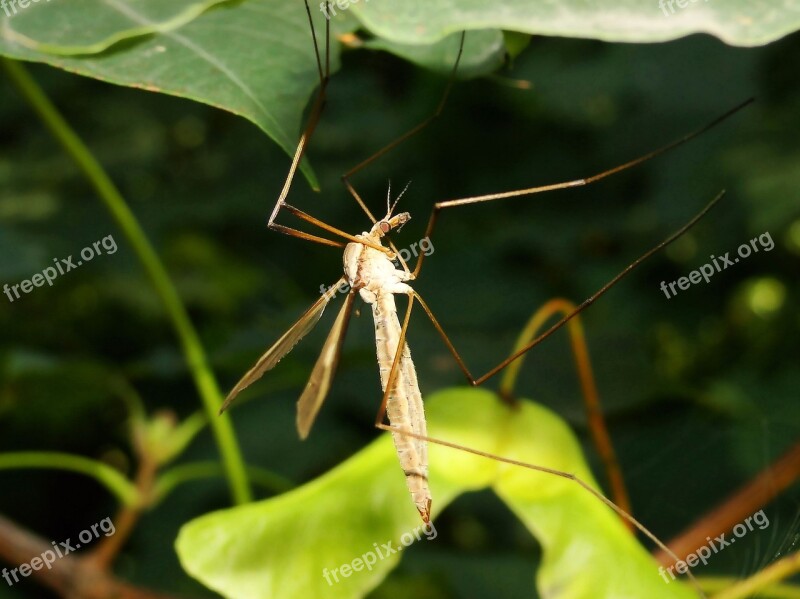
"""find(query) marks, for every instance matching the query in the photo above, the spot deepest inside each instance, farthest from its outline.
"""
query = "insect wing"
(320, 381)
(282, 346)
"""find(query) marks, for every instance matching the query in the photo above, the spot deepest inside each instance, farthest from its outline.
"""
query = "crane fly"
(371, 274)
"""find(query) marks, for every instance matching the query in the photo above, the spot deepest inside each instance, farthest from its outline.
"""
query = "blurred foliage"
(700, 390)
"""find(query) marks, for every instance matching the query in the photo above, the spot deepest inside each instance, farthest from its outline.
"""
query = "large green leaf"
(254, 57)
(285, 546)
(737, 22)
(484, 53)
(62, 28)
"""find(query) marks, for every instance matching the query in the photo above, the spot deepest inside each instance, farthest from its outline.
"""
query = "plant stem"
(192, 349)
(763, 579)
(591, 397)
(115, 482)
(170, 479)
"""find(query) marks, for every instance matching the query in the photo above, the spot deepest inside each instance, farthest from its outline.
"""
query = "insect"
(370, 273)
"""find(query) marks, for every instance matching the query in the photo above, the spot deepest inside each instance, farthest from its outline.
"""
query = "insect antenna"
(391, 209)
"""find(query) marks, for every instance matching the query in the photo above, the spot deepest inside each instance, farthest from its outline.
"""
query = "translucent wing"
(320, 381)
(283, 345)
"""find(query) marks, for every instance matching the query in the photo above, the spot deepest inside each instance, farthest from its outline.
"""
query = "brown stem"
(103, 555)
(591, 397)
(71, 577)
(749, 499)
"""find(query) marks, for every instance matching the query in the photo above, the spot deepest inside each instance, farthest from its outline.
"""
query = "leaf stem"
(174, 477)
(192, 349)
(104, 474)
(591, 397)
(766, 581)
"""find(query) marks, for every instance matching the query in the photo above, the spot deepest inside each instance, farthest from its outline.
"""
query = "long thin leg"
(395, 362)
(313, 119)
(406, 414)
(591, 397)
(559, 473)
(439, 206)
(475, 381)
(311, 125)
(410, 133)
(589, 391)
(322, 225)
(600, 435)
(623, 513)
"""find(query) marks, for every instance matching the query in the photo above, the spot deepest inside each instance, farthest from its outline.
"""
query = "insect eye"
(385, 226)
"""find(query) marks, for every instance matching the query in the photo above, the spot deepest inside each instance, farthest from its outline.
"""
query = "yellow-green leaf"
(289, 546)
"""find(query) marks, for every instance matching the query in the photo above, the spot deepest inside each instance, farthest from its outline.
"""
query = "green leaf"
(62, 27)
(736, 22)
(515, 42)
(164, 439)
(282, 547)
(483, 54)
(254, 59)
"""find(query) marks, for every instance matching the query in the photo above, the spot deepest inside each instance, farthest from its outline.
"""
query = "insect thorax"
(370, 271)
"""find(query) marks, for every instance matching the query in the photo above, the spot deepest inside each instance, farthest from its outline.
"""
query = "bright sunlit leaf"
(289, 546)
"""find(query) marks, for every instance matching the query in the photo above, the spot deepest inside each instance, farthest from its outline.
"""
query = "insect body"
(374, 276)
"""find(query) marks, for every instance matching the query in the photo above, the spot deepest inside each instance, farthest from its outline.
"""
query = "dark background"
(700, 391)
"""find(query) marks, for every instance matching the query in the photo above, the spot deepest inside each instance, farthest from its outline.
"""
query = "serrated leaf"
(289, 546)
